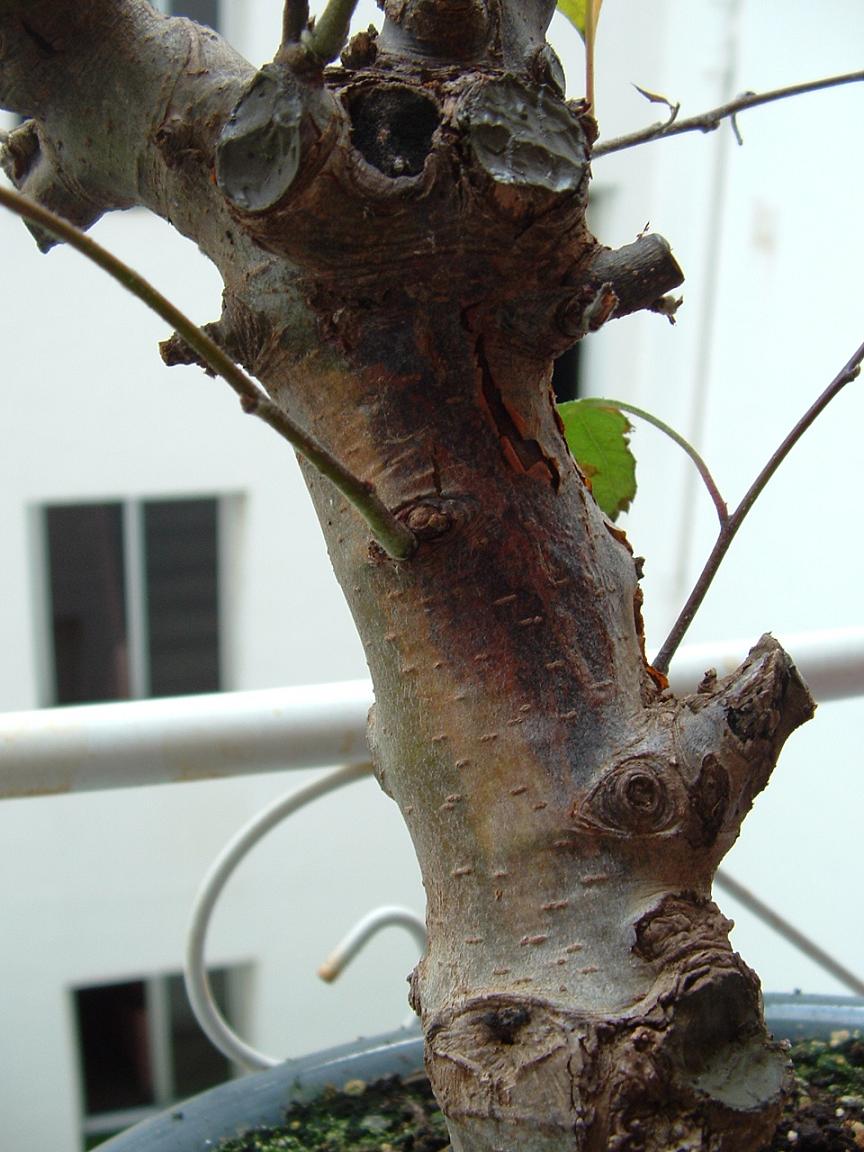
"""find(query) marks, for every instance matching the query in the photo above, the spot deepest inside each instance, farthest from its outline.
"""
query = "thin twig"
(708, 121)
(702, 468)
(847, 373)
(394, 536)
(326, 39)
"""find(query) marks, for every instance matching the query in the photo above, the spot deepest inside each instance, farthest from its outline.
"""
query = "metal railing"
(107, 746)
(167, 741)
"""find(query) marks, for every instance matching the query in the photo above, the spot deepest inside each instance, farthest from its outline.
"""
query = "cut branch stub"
(501, 32)
(524, 137)
(392, 127)
(611, 284)
(681, 793)
(438, 160)
(457, 30)
(641, 273)
(28, 161)
(273, 131)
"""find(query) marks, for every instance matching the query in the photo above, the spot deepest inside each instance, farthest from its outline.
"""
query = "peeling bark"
(404, 250)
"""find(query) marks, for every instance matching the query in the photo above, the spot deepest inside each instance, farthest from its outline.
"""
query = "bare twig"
(847, 373)
(394, 536)
(708, 121)
(702, 468)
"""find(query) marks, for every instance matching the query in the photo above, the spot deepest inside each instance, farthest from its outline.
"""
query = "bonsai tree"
(404, 252)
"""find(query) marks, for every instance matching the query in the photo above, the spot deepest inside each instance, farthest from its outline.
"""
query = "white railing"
(107, 746)
(99, 746)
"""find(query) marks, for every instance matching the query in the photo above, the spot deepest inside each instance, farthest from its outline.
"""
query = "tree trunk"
(404, 252)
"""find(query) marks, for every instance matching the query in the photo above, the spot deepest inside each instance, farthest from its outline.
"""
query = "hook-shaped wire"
(363, 931)
(207, 1013)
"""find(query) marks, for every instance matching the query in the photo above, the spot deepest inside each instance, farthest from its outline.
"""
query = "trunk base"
(688, 1071)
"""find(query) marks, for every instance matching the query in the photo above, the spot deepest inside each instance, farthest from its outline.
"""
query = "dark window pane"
(114, 1047)
(197, 1064)
(204, 11)
(181, 547)
(565, 375)
(88, 602)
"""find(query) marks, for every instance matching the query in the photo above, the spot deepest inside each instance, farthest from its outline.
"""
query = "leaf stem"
(702, 468)
(394, 536)
(590, 41)
(708, 121)
(847, 373)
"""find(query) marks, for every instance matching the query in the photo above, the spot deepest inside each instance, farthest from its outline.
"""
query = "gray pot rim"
(261, 1099)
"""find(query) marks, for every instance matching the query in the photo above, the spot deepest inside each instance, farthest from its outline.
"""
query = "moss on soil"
(824, 1114)
(826, 1110)
(388, 1116)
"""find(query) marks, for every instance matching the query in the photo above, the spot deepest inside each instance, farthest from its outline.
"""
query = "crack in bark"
(524, 455)
(41, 43)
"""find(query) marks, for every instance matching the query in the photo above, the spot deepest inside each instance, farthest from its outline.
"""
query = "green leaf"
(598, 438)
(578, 13)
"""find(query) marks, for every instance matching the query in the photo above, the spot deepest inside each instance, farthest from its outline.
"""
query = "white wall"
(98, 887)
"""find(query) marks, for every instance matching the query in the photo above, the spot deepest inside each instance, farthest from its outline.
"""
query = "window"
(133, 594)
(140, 1050)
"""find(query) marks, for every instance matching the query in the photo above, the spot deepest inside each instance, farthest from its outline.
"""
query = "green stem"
(701, 466)
(393, 536)
(327, 38)
(727, 532)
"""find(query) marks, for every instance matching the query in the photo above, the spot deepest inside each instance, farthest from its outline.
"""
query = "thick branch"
(126, 103)
(709, 121)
